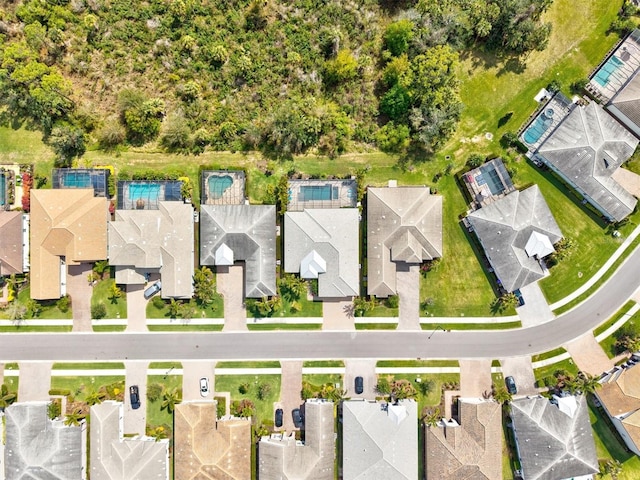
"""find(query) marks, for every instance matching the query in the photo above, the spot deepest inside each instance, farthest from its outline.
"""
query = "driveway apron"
(80, 291)
(231, 286)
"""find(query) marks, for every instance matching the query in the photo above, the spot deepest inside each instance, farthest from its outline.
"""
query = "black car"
(297, 418)
(279, 418)
(134, 396)
(519, 297)
(359, 385)
(511, 385)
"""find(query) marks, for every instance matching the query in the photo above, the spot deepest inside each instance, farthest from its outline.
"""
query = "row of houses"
(553, 440)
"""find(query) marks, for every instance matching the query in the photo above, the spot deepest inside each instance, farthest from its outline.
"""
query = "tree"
(98, 310)
(114, 293)
(264, 389)
(243, 408)
(586, 383)
(397, 37)
(362, 305)
(174, 308)
(157, 433)
(396, 102)
(393, 138)
(111, 135)
(432, 418)
(507, 301)
(475, 160)
(255, 17)
(204, 286)
(95, 397)
(67, 142)
(610, 467)
(170, 399)
(340, 69)
(402, 389)
(154, 392)
(383, 387)
(33, 308)
(564, 248)
(292, 287)
(6, 397)
(74, 418)
(16, 312)
(426, 387)
(501, 394)
(176, 133)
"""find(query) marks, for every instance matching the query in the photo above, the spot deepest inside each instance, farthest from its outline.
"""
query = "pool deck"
(347, 194)
(18, 188)
(629, 52)
(234, 195)
(560, 111)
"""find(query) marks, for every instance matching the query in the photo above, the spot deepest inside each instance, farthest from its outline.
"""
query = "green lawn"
(165, 365)
(264, 408)
(155, 414)
(432, 399)
(213, 310)
(608, 344)
(471, 326)
(88, 366)
(542, 372)
(81, 386)
(268, 364)
(614, 318)
(49, 310)
(376, 326)
(417, 363)
(116, 308)
(185, 328)
(550, 354)
(283, 326)
(308, 308)
(322, 363)
(322, 379)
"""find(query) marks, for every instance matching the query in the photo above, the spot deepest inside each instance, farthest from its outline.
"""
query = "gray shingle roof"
(334, 235)
(250, 232)
(161, 240)
(551, 443)
(281, 457)
(380, 442)
(41, 449)
(586, 148)
(504, 228)
(116, 458)
(404, 224)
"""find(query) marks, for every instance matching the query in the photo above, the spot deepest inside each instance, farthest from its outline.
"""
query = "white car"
(204, 386)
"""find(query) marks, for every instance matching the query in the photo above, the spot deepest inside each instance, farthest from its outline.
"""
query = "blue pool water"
(218, 185)
(613, 64)
(537, 128)
(144, 191)
(317, 192)
(3, 189)
(76, 179)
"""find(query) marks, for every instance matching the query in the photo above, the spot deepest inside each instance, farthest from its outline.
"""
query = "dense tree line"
(283, 76)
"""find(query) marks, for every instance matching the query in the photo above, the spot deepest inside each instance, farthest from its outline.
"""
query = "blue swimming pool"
(3, 189)
(538, 127)
(218, 185)
(492, 179)
(144, 191)
(73, 179)
(317, 192)
(608, 69)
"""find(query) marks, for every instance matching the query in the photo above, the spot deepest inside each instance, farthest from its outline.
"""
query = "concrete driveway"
(80, 291)
(475, 378)
(136, 309)
(408, 288)
(365, 368)
(290, 388)
(337, 315)
(588, 354)
(231, 287)
(535, 310)
(35, 381)
(192, 372)
(521, 369)
(135, 421)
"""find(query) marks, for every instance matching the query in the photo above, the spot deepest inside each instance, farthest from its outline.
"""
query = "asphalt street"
(327, 344)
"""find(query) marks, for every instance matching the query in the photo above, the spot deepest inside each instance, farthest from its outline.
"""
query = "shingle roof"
(379, 444)
(116, 458)
(586, 148)
(404, 224)
(10, 243)
(38, 448)
(471, 450)
(161, 240)
(210, 448)
(552, 444)
(281, 457)
(505, 227)
(333, 234)
(250, 232)
(64, 223)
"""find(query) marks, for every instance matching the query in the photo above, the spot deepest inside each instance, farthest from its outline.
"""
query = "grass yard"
(471, 326)
(548, 371)
(550, 354)
(268, 364)
(213, 310)
(88, 366)
(260, 327)
(376, 326)
(117, 307)
(609, 343)
(155, 414)
(614, 318)
(81, 386)
(417, 363)
(264, 408)
(323, 379)
(323, 364)
(185, 327)
(48, 308)
(308, 308)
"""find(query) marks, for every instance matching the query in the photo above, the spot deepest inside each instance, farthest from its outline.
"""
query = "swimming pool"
(537, 128)
(317, 192)
(144, 191)
(3, 189)
(492, 179)
(73, 179)
(610, 67)
(218, 185)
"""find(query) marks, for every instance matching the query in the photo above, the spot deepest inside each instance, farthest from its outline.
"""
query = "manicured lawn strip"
(609, 343)
(116, 308)
(264, 408)
(542, 372)
(322, 363)
(376, 326)
(88, 366)
(185, 328)
(614, 318)
(109, 328)
(432, 399)
(550, 354)
(268, 364)
(81, 386)
(155, 414)
(322, 379)
(49, 310)
(308, 308)
(28, 329)
(284, 326)
(417, 363)
(213, 310)
(165, 365)
(471, 326)
(382, 310)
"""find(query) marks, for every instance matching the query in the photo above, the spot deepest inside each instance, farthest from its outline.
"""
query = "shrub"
(98, 311)
(111, 135)
(397, 37)
(221, 406)
(475, 160)
(154, 392)
(244, 388)
(158, 302)
(264, 389)
(64, 303)
(340, 69)
(393, 301)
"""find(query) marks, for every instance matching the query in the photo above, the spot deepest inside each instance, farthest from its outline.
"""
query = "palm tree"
(170, 399)
(157, 433)
(73, 418)
(432, 418)
(114, 293)
(6, 397)
(502, 395)
(610, 467)
(94, 398)
(587, 383)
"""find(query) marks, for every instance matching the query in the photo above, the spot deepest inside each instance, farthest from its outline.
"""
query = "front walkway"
(35, 381)
(290, 392)
(475, 378)
(136, 309)
(408, 288)
(535, 310)
(80, 291)
(588, 354)
(231, 287)
(337, 315)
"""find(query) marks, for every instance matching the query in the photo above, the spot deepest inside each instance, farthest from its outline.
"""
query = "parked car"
(297, 418)
(278, 421)
(519, 297)
(359, 385)
(204, 386)
(152, 290)
(511, 385)
(134, 397)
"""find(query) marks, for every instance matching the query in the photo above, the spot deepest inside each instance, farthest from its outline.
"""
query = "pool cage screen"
(322, 194)
(82, 178)
(147, 195)
(223, 187)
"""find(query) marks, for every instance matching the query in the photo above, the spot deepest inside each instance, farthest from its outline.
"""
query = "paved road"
(326, 344)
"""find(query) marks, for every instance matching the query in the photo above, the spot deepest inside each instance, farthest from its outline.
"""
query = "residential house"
(322, 244)
(207, 447)
(404, 227)
(68, 227)
(11, 243)
(281, 456)
(37, 448)
(114, 457)
(553, 437)
(380, 440)
(620, 398)
(516, 233)
(241, 233)
(143, 242)
(468, 447)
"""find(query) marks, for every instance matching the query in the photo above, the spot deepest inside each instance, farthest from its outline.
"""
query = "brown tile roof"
(210, 449)
(10, 242)
(64, 223)
(471, 451)
(620, 397)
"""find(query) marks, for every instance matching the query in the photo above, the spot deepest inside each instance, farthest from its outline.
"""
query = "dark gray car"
(511, 385)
